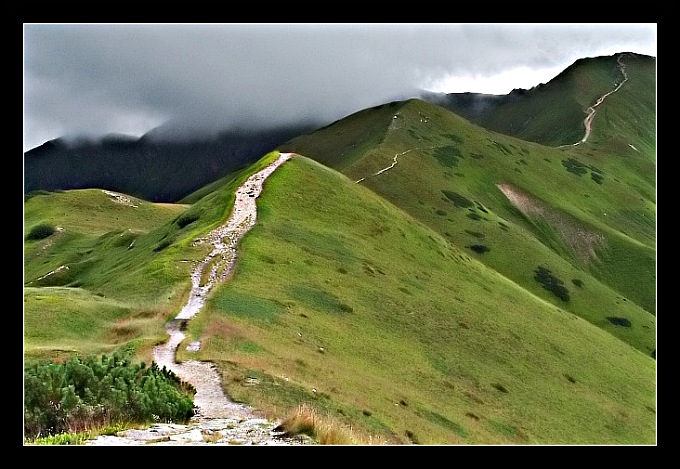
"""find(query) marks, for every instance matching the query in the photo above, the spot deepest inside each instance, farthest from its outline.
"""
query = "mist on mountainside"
(162, 166)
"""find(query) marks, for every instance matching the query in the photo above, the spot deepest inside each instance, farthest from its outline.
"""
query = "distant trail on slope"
(591, 110)
(394, 162)
(392, 127)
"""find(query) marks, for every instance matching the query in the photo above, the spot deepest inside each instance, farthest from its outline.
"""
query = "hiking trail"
(218, 420)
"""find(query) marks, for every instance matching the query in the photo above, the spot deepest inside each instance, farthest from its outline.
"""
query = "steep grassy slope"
(65, 313)
(114, 270)
(343, 301)
(553, 113)
(516, 207)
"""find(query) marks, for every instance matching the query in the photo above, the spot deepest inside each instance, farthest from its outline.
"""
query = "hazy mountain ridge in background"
(148, 167)
(151, 168)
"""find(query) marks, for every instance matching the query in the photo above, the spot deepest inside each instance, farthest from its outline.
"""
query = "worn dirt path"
(588, 122)
(218, 420)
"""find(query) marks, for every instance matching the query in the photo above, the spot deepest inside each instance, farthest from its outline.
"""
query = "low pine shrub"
(551, 283)
(41, 231)
(83, 394)
(187, 218)
(500, 387)
(617, 321)
(345, 308)
(598, 178)
(575, 166)
(457, 199)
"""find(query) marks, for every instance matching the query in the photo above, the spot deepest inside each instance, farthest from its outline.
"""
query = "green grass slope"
(117, 264)
(455, 177)
(553, 113)
(342, 301)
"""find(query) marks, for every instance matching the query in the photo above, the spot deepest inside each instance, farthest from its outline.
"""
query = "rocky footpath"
(218, 420)
(202, 431)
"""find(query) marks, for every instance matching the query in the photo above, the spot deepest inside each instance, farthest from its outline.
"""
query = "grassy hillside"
(553, 113)
(114, 269)
(459, 179)
(344, 302)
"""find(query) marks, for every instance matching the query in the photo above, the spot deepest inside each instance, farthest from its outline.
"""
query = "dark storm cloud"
(96, 79)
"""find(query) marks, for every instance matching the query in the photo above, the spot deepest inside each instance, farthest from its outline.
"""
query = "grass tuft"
(304, 420)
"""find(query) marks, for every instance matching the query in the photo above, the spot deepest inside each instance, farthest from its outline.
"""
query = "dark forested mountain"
(148, 168)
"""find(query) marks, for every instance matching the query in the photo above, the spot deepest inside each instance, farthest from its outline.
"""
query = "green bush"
(41, 231)
(457, 199)
(187, 218)
(476, 234)
(91, 392)
(551, 283)
(447, 156)
(598, 178)
(617, 321)
(500, 387)
(575, 166)
(345, 308)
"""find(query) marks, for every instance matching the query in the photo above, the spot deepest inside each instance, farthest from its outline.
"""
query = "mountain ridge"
(147, 167)
(108, 161)
(509, 162)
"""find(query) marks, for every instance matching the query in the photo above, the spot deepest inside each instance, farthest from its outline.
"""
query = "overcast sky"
(95, 79)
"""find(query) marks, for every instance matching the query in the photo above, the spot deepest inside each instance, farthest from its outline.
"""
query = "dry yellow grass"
(324, 430)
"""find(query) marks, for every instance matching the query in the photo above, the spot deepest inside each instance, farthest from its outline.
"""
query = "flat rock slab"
(203, 432)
